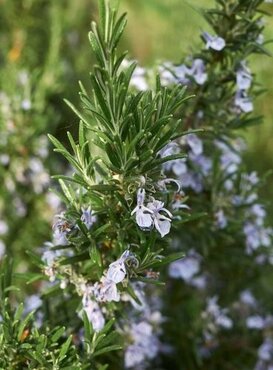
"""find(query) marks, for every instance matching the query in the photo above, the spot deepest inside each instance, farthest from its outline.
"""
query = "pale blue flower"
(214, 42)
(161, 222)
(197, 71)
(248, 298)
(255, 322)
(243, 102)
(192, 180)
(117, 270)
(88, 218)
(218, 314)
(177, 166)
(185, 268)
(145, 344)
(243, 77)
(265, 351)
(32, 302)
(143, 214)
(94, 313)
(195, 144)
(108, 291)
(221, 220)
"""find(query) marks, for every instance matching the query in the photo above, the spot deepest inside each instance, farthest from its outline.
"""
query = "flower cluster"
(143, 328)
(152, 215)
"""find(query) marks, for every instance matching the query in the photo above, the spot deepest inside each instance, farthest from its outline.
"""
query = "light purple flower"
(218, 314)
(214, 42)
(177, 166)
(265, 351)
(243, 77)
(248, 298)
(221, 220)
(117, 270)
(255, 322)
(243, 102)
(185, 268)
(161, 222)
(107, 291)
(145, 344)
(94, 313)
(195, 144)
(197, 71)
(143, 214)
(88, 217)
(192, 180)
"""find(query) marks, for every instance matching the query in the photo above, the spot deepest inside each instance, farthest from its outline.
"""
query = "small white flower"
(195, 144)
(265, 351)
(26, 104)
(185, 268)
(199, 282)
(4, 159)
(149, 216)
(32, 302)
(178, 166)
(221, 220)
(192, 180)
(255, 322)
(143, 214)
(88, 218)
(260, 39)
(161, 222)
(108, 291)
(218, 314)
(197, 71)
(94, 313)
(181, 72)
(248, 298)
(133, 356)
(243, 101)
(117, 269)
(214, 42)
(224, 321)
(243, 77)
(64, 284)
(145, 344)
(48, 257)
